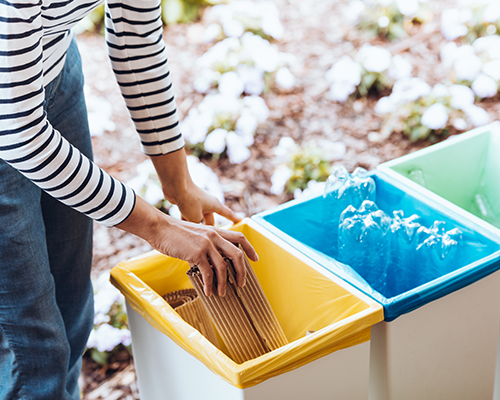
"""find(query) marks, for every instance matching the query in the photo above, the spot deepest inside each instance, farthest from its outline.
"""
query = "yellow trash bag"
(304, 296)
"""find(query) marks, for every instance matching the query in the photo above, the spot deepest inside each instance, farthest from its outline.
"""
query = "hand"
(197, 244)
(195, 204)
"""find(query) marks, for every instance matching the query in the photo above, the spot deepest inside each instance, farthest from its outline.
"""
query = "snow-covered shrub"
(471, 23)
(476, 65)
(303, 169)
(249, 64)
(390, 19)
(373, 68)
(223, 124)
(147, 184)
(182, 11)
(99, 113)
(418, 110)
(203, 176)
(92, 22)
(240, 16)
(173, 11)
(110, 321)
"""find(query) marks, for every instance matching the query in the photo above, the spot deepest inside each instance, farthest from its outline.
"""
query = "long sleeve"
(139, 61)
(28, 142)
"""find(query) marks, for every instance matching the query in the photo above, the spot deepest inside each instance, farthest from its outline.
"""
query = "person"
(50, 190)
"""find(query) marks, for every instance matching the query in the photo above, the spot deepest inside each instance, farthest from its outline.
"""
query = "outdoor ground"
(317, 35)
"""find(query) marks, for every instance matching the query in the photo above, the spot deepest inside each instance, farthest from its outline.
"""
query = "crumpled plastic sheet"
(306, 226)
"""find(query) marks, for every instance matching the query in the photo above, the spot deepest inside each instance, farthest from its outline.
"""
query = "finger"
(195, 217)
(226, 212)
(208, 219)
(207, 275)
(239, 238)
(237, 257)
(193, 221)
(220, 270)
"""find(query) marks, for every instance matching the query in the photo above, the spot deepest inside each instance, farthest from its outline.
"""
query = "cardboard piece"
(243, 317)
(188, 305)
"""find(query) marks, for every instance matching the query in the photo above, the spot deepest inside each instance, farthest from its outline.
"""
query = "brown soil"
(317, 36)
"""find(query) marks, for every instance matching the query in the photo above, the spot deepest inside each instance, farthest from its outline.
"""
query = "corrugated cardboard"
(243, 317)
(188, 305)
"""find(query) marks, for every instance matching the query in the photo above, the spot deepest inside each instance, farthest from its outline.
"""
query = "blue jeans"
(46, 299)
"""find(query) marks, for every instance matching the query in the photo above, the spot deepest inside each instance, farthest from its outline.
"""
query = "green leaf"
(384, 81)
(419, 132)
(191, 12)
(368, 80)
(396, 31)
(172, 11)
(100, 357)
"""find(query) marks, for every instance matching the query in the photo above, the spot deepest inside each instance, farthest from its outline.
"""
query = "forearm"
(174, 175)
(144, 221)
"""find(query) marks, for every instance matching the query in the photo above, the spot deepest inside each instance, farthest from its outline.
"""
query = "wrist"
(174, 176)
(144, 221)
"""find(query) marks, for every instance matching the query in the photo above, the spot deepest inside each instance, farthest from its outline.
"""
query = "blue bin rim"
(414, 298)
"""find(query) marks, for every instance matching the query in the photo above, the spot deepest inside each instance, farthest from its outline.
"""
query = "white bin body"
(445, 350)
(167, 372)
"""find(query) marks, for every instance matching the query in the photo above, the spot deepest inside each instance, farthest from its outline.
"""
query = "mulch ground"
(318, 36)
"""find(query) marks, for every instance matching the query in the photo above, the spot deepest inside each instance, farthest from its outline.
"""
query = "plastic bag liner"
(304, 224)
(464, 170)
(303, 296)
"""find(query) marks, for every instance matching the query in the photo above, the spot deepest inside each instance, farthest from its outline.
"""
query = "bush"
(420, 111)
(147, 185)
(234, 19)
(476, 65)
(373, 70)
(471, 23)
(173, 11)
(303, 168)
(182, 11)
(388, 18)
(110, 332)
(224, 125)
(248, 64)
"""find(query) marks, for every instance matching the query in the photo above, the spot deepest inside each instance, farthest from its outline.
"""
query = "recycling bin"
(439, 337)
(326, 320)
(462, 173)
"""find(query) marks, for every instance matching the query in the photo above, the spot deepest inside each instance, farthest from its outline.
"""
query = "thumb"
(196, 217)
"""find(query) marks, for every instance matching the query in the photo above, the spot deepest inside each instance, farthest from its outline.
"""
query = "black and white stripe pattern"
(139, 60)
(34, 37)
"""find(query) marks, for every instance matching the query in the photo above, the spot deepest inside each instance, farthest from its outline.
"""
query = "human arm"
(28, 141)
(138, 57)
(195, 204)
(198, 244)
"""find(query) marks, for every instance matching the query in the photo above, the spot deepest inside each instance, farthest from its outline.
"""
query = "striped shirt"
(34, 38)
